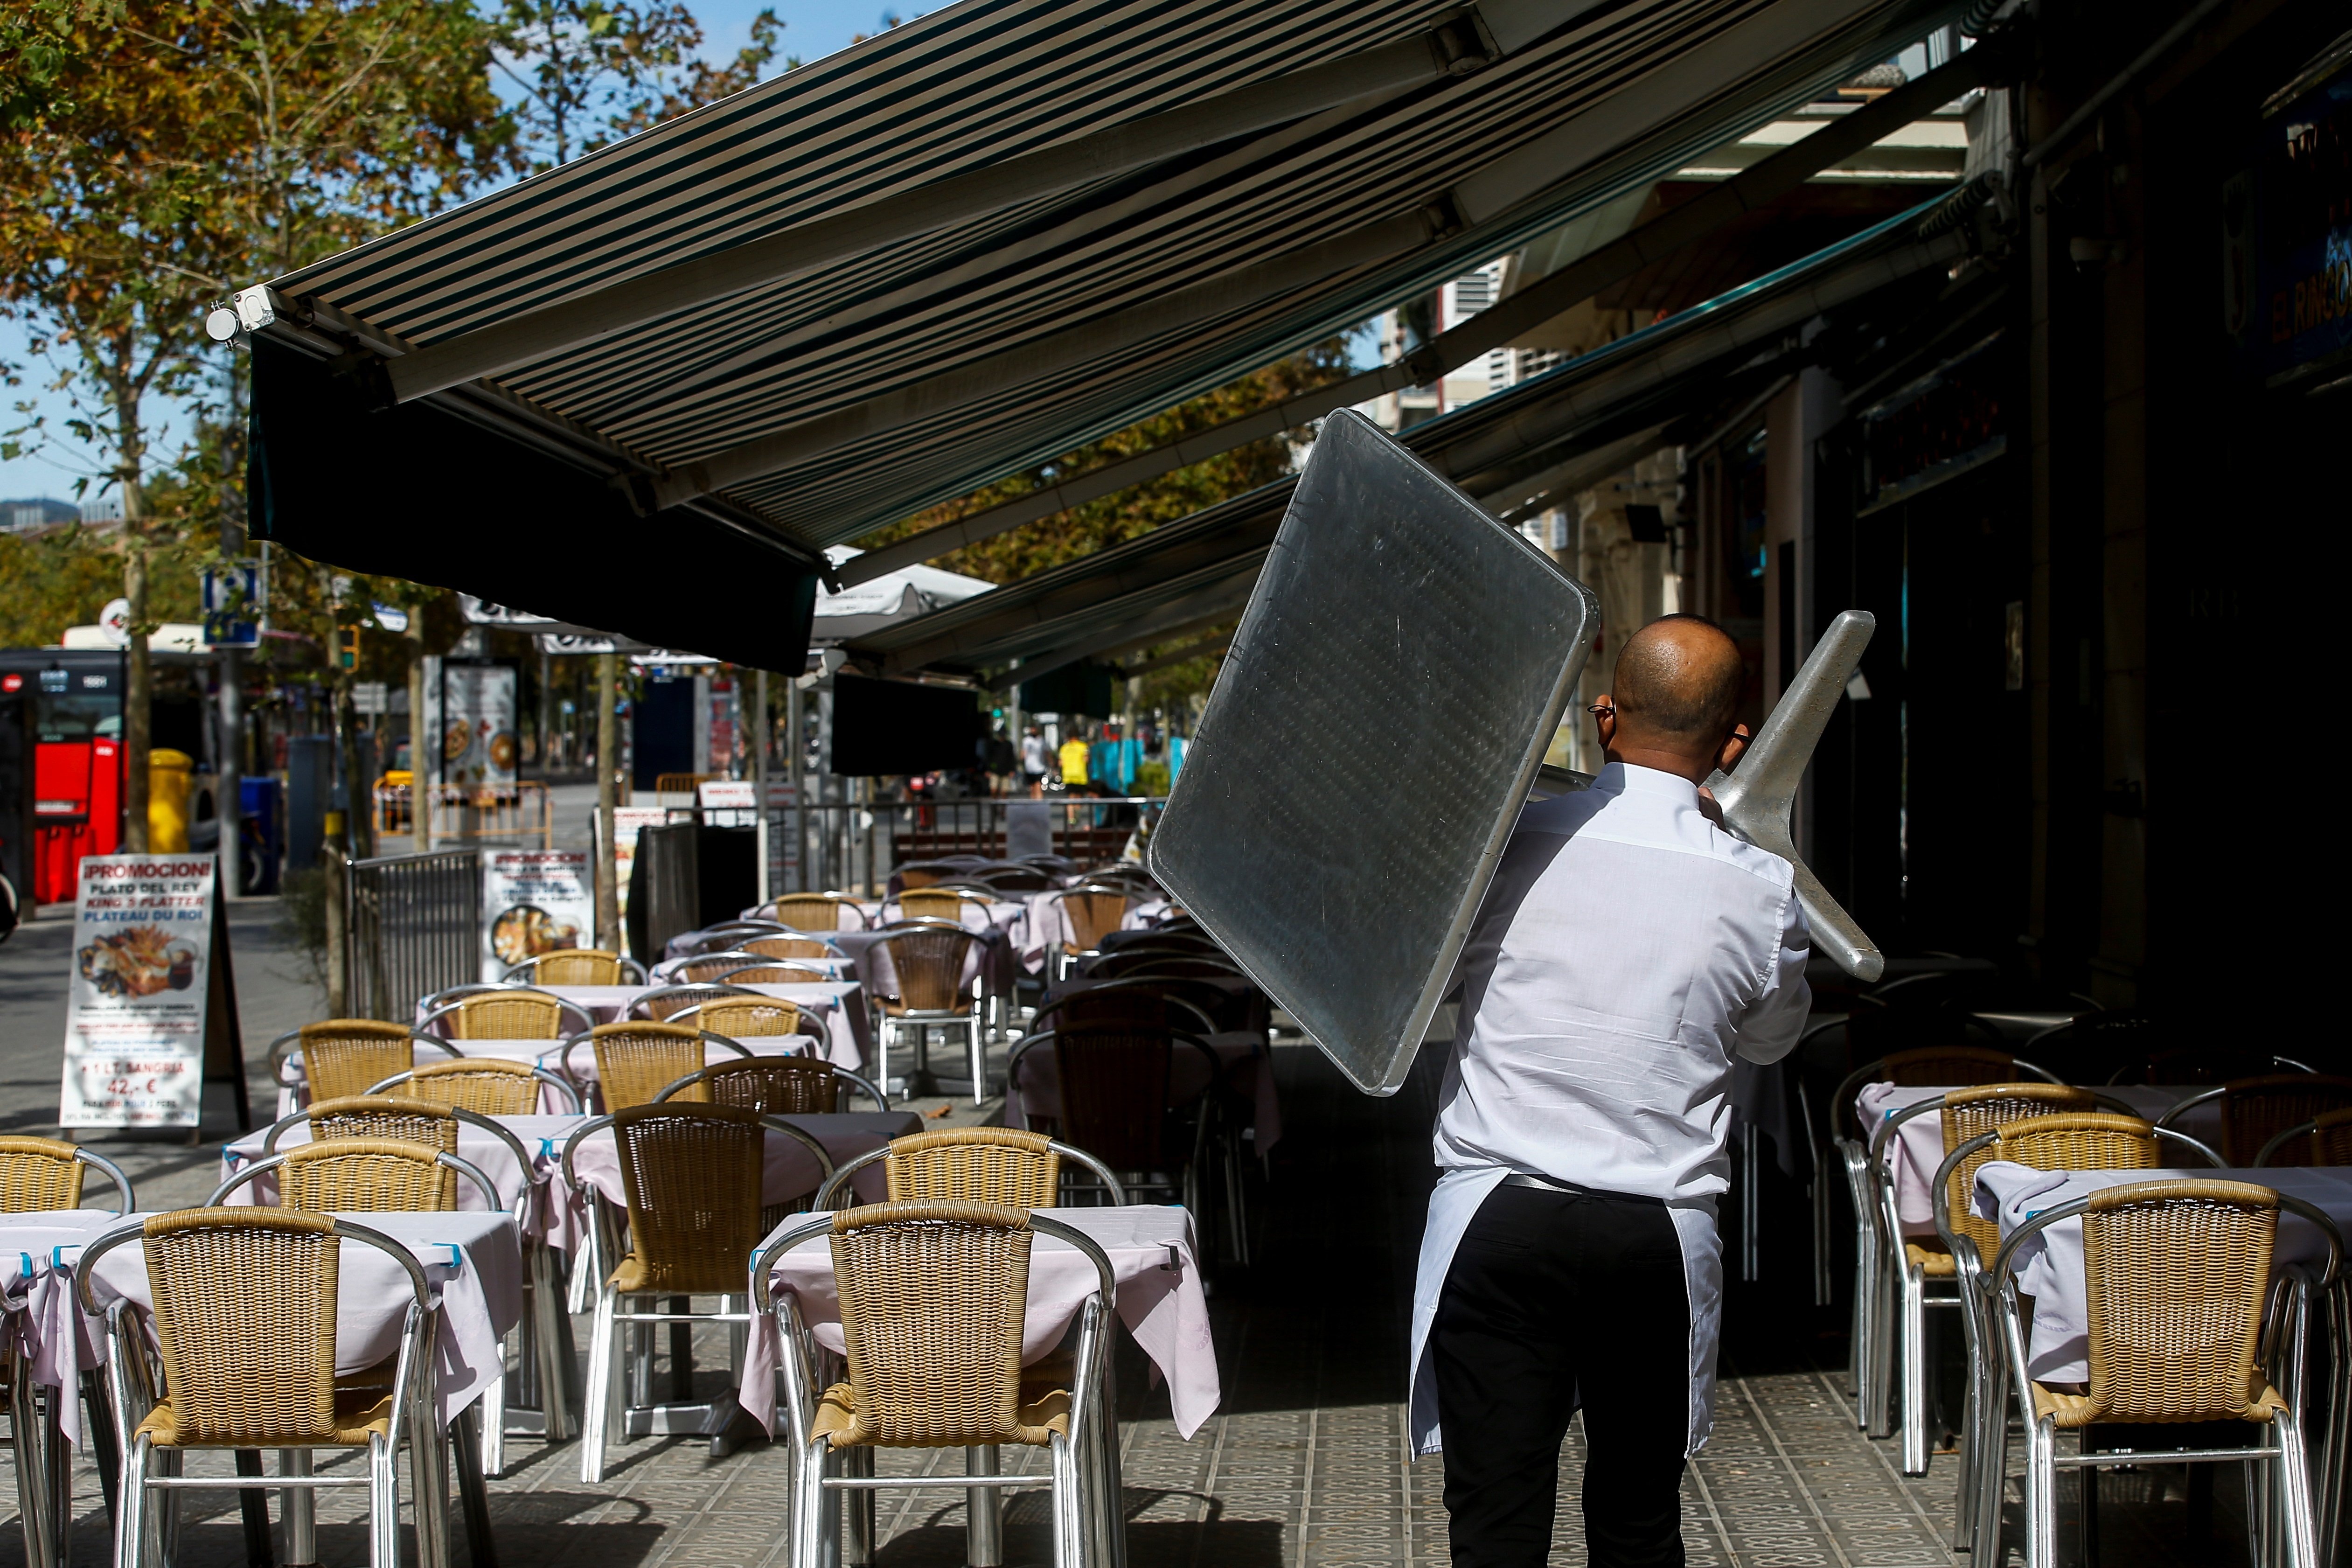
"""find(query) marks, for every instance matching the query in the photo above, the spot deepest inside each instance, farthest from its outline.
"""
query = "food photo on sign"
(534, 901)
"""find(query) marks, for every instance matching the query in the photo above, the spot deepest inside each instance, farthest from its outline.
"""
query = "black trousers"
(1553, 1295)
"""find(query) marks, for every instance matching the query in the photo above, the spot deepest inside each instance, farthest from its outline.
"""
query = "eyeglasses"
(1602, 710)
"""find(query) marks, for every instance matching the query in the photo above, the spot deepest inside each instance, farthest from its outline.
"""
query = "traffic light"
(347, 647)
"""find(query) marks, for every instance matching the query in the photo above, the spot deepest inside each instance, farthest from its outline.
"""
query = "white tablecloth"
(1917, 1148)
(472, 1261)
(1159, 1301)
(484, 1150)
(2050, 1265)
(1249, 1073)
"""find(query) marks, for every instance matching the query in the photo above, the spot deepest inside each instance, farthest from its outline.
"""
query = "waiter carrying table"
(1628, 949)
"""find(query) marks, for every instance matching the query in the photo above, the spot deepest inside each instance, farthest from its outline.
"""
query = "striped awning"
(1542, 437)
(974, 242)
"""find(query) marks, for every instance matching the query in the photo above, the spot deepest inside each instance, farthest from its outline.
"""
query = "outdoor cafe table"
(473, 1263)
(1917, 1150)
(1158, 1279)
(478, 1146)
(838, 1006)
(1242, 1053)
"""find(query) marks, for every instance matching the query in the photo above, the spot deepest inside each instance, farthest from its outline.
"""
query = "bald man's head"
(1678, 684)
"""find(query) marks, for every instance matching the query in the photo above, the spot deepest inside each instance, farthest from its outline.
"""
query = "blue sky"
(813, 29)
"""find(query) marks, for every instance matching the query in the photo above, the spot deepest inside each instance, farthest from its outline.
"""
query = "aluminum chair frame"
(2220, 1091)
(144, 1537)
(705, 988)
(605, 1409)
(1899, 1339)
(2292, 1509)
(1065, 960)
(838, 899)
(463, 1167)
(1986, 1400)
(972, 1020)
(1185, 1185)
(515, 974)
(734, 956)
(126, 1200)
(1089, 1519)
(2300, 1129)
(564, 1061)
(828, 1195)
(756, 962)
(1873, 1243)
(282, 1049)
(858, 1082)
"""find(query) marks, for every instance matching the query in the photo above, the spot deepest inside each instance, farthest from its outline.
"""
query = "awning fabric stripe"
(1622, 91)
(1106, 601)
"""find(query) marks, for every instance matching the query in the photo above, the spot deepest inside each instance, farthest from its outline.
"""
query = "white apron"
(1451, 1209)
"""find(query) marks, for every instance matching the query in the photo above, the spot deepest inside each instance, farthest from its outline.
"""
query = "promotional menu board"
(534, 901)
(151, 1002)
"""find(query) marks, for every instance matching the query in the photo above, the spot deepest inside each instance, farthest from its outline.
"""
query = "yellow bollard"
(170, 777)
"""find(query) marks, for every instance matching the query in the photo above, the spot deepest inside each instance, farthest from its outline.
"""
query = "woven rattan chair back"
(772, 975)
(1968, 1112)
(818, 911)
(707, 967)
(635, 1060)
(934, 1296)
(2331, 1139)
(1092, 916)
(1945, 1067)
(974, 1165)
(402, 1118)
(39, 1174)
(2177, 1274)
(344, 1056)
(930, 965)
(936, 906)
(690, 1175)
(2078, 1140)
(671, 1006)
(507, 1016)
(578, 966)
(245, 1317)
(483, 1085)
(787, 947)
(744, 1018)
(365, 1175)
(1114, 1082)
(773, 1085)
(2256, 1109)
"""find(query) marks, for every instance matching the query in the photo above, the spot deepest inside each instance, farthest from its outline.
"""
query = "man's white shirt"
(1627, 951)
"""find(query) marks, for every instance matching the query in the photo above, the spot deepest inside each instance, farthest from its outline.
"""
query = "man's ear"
(1735, 746)
(1604, 719)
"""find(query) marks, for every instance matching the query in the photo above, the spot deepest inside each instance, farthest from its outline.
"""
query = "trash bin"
(261, 824)
(170, 775)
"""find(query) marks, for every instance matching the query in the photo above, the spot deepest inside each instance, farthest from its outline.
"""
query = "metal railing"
(854, 846)
(411, 925)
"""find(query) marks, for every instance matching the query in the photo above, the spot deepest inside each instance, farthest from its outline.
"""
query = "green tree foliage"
(594, 71)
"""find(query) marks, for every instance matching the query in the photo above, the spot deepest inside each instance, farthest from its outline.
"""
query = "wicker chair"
(635, 1059)
(244, 1317)
(2255, 1110)
(398, 1118)
(690, 1179)
(2330, 1142)
(941, 904)
(792, 946)
(1093, 910)
(818, 911)
(750, 1016)
(2203, 1064)
(1920, 1273)
(774, 1085)
(929, 957)
(973, 1164)
(504, 1012)
(1114, 1060)
(2178, 1279)
(487, 1086)
(2070, 1140)
(41, 1173)
(364, 1176)
(578, 966)
(767, 972)
(1944, 1066)
(671, 1003)
(933, 1299)
(342, 1056)
(707, 966)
